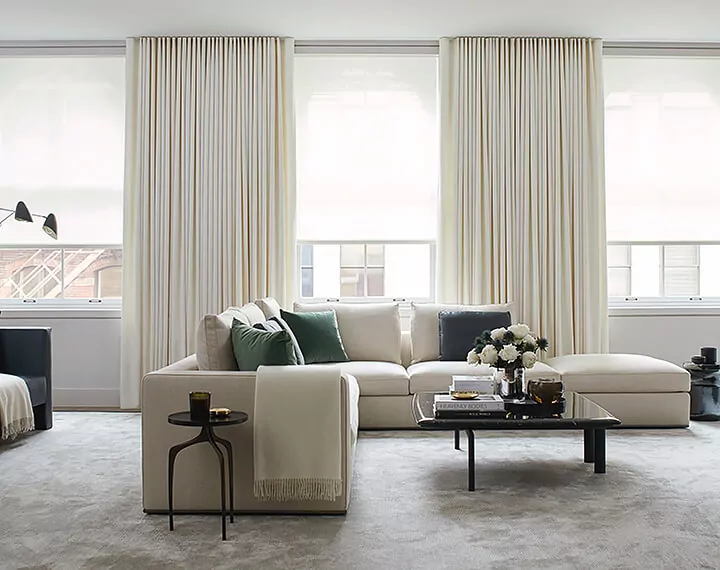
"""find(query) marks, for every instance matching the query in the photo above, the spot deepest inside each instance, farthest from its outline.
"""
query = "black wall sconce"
(22, 214)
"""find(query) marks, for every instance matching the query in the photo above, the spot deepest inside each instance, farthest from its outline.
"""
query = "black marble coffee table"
(580, 413)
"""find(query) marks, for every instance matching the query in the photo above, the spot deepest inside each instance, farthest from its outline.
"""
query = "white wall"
(86, 345)
(86, 353)
(670, 334)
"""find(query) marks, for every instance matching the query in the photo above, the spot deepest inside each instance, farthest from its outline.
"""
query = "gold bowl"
(220, 412)
(545, 390)
(455, 395)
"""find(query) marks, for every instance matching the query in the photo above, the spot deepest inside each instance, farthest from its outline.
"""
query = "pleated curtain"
(209, 189)
(522, 183)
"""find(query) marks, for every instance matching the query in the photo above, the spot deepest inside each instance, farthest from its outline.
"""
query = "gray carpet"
(70, 498)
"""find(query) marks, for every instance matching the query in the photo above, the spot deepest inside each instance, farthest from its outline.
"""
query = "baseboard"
(77, 398)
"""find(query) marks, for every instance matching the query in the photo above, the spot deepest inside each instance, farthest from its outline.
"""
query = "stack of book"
(482, 406)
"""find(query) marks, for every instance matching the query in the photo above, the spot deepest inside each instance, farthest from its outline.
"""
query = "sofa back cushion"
(269, 306)
(459, 329)
(368, 331)
(425, 326)
(213, 342)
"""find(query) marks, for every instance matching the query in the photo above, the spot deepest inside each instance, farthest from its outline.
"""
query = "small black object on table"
(704, 391)
(206, 435)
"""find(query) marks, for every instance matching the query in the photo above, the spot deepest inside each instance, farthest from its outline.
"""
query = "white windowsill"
(59, 312)
(664, 310)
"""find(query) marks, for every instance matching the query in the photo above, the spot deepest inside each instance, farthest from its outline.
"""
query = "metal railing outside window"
(63, 275)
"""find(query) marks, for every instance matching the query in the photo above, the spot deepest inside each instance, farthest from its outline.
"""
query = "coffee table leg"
(599, 454)
(471, 459)
(589, 441)
(457, 439)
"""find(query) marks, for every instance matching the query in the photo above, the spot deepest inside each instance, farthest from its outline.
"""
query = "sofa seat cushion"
(436, 376)
(620, 373)
(375, 378)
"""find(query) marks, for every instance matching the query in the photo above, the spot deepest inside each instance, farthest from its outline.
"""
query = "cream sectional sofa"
(391, 365)
(387, 366)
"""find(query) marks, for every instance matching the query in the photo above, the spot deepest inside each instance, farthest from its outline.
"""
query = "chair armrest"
(26, 351)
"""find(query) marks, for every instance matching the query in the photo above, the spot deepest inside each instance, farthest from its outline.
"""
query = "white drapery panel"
(523, 199)
(209, 189)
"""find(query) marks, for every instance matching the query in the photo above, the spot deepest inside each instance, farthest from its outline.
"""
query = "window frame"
(662, 305)
(694, 301)
(365, 300)
(49, 49)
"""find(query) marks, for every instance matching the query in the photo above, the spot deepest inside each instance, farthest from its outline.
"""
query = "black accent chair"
(27, 352)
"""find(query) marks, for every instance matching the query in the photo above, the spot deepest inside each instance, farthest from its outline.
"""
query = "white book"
(483, 403)
(482, 384)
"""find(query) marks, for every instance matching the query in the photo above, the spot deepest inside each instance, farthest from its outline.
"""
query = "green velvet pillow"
(253, 347)
(318, 336)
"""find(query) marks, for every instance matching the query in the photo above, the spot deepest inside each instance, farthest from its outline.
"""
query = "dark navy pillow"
(459, 329)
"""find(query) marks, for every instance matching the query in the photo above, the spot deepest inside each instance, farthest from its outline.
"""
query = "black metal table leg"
(599, 454)
(589, 441)
(457, 439)
(228, 449)
(223, 492)
(471, 459)
(172, 454)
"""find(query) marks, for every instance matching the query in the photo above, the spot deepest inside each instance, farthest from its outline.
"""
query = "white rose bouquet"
(509, 348)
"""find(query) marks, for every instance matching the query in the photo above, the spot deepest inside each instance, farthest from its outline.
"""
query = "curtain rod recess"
(58, 48)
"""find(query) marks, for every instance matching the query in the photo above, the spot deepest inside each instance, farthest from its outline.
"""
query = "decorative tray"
(532, 408)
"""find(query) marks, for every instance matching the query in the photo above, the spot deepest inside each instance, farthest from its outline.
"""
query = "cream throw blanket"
(16, 414)
(297, 428)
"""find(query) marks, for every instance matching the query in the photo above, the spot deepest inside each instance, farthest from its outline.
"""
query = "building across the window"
(373, 271)
(61, 273)
(367, 175)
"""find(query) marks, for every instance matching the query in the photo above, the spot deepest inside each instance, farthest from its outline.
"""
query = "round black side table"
(704, 391)
(206, 435)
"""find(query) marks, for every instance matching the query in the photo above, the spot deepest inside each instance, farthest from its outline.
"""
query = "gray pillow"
(275, 324)
(459, 329)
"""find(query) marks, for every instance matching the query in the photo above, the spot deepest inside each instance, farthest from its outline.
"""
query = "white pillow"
(425, 326)
(369, 332)
(213, 341)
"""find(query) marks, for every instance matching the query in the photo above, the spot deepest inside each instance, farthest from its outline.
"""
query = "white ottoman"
(641, 391)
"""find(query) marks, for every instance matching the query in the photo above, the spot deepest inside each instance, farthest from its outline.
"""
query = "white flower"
(519, 331)
(498, 334)
(530, 341)
(489, 355)
(473, 357)
(528, 359)
(509, 353)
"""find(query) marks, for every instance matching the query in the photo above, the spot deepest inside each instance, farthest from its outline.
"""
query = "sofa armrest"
(166, 391)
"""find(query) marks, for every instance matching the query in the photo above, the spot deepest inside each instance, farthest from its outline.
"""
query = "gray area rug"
(70, 498)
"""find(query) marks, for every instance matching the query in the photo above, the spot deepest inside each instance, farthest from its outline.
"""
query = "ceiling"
(663, 20)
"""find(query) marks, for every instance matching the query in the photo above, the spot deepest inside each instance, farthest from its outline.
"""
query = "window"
(662, 135)
(367, 175)
(61, 152)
